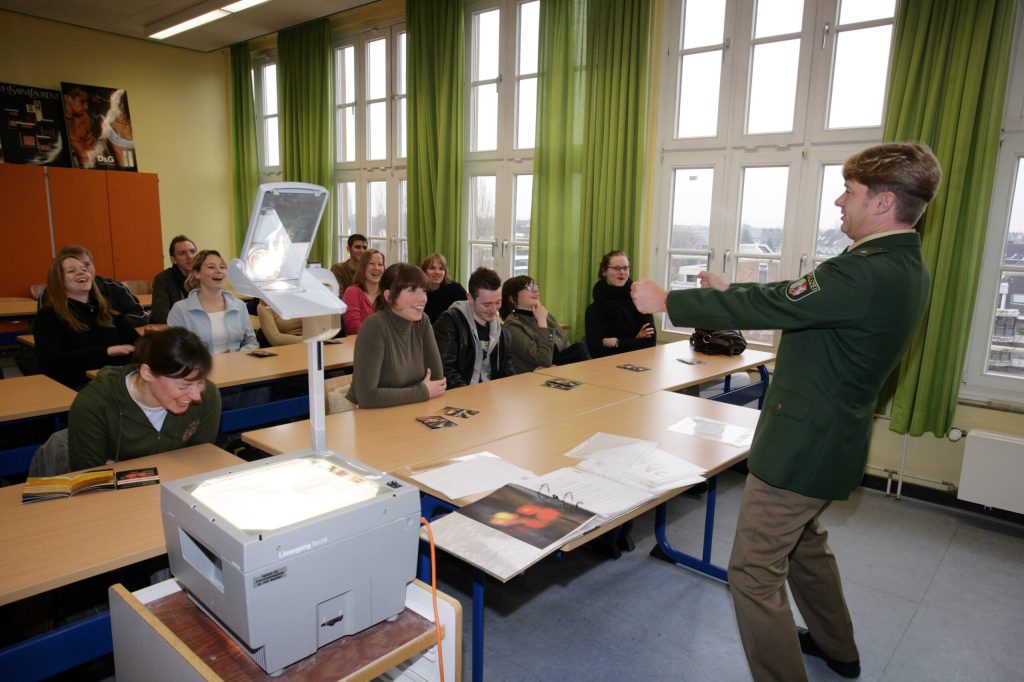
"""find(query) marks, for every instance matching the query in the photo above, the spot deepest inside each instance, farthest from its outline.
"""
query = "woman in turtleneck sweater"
(614, 325)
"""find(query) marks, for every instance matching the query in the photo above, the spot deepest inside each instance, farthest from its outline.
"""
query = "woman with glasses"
(614, 325)
(536, 335)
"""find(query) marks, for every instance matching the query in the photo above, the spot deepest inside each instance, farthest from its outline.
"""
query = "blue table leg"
(664, 550)
(58, 650)
(478, 624)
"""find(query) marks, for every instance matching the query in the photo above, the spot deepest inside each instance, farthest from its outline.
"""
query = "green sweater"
(106, 424)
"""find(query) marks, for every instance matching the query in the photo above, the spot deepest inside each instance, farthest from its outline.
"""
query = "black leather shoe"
(849, 669)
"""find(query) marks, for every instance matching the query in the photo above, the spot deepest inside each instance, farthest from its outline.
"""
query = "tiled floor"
(935, 594)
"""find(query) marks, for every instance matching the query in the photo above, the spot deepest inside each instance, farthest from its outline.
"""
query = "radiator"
(993, 470)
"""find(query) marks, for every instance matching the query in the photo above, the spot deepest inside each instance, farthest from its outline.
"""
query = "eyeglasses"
(531, 287)
(618, 268)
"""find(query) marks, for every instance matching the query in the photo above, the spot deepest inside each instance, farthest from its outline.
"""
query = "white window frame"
(805, 150)
(267, 173)
(362, 171)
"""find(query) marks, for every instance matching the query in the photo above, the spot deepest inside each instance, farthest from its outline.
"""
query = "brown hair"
(57, 297)
(397, 277)
(174, 352)
(909, 170)
(606, 260)
(177, 240)
(510, 293)
(437, 258)
(192, 281)
(359, 279)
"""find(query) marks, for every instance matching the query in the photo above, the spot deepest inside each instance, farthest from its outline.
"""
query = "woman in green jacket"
(161, 402)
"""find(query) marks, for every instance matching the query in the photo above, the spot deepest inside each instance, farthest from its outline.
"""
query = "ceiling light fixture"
(198, 15)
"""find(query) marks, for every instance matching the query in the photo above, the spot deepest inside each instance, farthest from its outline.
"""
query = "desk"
(239, 369)
(18, 308)
(160, 623)
(58, 542)
(30, 397)
(666, 373)
(145, 300)
(391, 438)
(648, 417)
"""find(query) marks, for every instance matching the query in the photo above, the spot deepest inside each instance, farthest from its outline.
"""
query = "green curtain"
(597, 179)
(304, 71)
(436, 30)
(245, 169)
(946, 89)
(558, 162)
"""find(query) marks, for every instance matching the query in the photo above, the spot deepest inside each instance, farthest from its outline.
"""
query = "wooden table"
(33, 396)
(58, 542)
(146, 300)
(542, 450)
(666, 372)
(18, 308)
(391, 438)
(239, 369)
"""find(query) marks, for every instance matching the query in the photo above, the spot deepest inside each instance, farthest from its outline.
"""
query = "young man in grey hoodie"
(473, 344)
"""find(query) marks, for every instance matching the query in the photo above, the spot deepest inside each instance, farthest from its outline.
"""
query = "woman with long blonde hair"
(77, 329)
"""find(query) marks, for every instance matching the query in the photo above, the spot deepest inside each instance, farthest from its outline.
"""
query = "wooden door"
(81, 214)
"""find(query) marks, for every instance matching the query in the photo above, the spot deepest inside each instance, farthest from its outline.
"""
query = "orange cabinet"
(116, 215)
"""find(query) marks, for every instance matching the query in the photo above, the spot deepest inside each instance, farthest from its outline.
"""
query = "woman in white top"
(216, 316)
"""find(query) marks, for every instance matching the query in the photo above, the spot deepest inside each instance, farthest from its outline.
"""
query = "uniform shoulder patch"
(803, 287)
(866, 251)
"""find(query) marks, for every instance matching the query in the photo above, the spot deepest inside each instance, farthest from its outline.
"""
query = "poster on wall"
(32, 123)
(99, 127)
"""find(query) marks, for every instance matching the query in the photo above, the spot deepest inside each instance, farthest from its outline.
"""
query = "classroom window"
(758, 109)
(370, 158)
(501, 112)
(268, 138)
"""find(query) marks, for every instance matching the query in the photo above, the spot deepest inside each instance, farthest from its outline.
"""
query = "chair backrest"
(36, 290)
(52, 458)
(138, 286)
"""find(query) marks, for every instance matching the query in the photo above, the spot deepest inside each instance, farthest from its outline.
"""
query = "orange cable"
(433, 591)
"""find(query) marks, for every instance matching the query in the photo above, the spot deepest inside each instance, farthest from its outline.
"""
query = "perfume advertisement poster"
(32, 126)
(99, 127)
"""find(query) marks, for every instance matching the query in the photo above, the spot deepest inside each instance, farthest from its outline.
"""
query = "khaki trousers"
(779, 538)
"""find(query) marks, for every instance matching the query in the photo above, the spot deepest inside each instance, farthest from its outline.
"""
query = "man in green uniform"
(845, 327)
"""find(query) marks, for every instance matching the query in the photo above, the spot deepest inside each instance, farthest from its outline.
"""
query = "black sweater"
(65, 355)
(613, 315)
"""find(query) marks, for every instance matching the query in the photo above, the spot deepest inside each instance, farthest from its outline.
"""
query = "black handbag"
(718, 341)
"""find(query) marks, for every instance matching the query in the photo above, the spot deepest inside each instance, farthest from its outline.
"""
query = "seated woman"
(77, 329)
(217, 317)
(396, 359)
(443, 291)
(362, 295)
(277, 330)
(161, 402)
(614, 325)
(536, 335)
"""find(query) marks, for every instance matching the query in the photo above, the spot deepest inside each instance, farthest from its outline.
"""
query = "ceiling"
(129, 17)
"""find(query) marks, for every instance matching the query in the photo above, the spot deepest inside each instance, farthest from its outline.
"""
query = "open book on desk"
(511, 529)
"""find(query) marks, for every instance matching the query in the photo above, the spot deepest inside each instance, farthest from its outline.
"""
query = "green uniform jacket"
(845, 327)
(106, 424)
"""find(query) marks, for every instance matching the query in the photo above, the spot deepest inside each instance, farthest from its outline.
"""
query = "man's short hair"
(483, 278)
(909, 170)
(177, 240)
(353, 238)
(75, 251)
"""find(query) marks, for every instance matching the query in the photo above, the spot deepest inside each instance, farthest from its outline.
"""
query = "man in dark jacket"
(473, 344)
(169, 285)
(845, 327)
